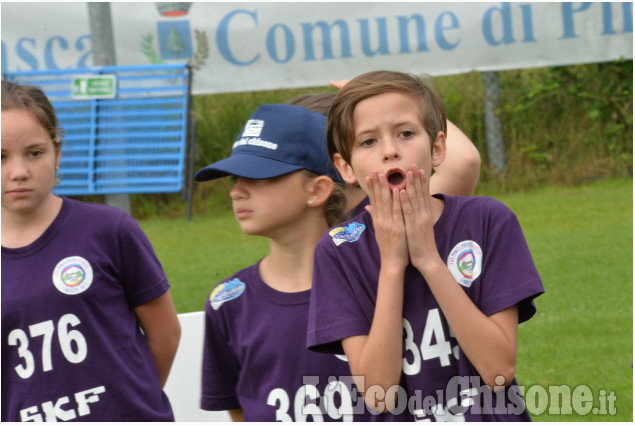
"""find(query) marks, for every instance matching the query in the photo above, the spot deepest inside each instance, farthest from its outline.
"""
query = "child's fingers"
(376, 196)
(406, 206)
(384, 195)
(412, 190)
(418, 191)
(370, 185)
(390, 199)
(423, 189)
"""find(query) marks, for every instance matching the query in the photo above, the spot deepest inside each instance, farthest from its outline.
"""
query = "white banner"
(238, 46)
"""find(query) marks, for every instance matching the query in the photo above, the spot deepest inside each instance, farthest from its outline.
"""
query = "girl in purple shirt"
(89, 330)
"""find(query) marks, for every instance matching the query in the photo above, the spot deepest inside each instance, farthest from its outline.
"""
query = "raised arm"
(459, 172)
(376, 359)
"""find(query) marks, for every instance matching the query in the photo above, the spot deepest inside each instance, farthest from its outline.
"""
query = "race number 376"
(70, 340)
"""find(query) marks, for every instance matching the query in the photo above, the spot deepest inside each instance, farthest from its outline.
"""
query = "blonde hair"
(340, 126)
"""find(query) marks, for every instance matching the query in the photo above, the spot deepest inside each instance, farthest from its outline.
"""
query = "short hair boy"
(422, 293)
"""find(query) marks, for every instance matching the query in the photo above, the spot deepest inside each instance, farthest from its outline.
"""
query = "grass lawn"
(582, 242)
(580, 343)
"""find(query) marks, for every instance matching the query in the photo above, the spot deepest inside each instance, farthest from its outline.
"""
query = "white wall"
(184, 383)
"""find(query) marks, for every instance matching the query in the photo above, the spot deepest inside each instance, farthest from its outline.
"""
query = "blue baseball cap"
(276, 140)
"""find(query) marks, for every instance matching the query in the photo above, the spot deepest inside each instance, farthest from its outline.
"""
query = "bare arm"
(459, 172)
(162, 331)
(236, 415)
(375, 359)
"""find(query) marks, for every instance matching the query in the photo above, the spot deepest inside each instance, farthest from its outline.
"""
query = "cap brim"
(247, 166)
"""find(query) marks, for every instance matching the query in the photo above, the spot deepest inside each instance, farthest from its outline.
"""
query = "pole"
(103, 42)
(493, 125)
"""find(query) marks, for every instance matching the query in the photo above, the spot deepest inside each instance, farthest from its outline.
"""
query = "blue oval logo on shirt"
(226, 291)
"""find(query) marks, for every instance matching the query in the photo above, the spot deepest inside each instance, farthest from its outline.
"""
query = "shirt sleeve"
(141, 273)
(509, 274)
(220, 366)
(338, 307)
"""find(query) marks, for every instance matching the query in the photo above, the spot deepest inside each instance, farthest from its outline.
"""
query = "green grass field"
(581, 340)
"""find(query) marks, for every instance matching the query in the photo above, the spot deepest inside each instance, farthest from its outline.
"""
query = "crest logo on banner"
(174, 38)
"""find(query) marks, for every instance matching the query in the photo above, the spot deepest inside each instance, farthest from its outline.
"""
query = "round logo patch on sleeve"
(465, 262)
(73, 275)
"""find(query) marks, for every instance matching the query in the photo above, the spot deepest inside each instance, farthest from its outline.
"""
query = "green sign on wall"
(94, 86)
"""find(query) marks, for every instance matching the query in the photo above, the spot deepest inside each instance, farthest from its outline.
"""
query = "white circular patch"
(73, 275)
(465, 262)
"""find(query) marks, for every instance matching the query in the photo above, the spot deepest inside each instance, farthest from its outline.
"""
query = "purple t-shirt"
(71, 345)
(255, 357)
(484, 247)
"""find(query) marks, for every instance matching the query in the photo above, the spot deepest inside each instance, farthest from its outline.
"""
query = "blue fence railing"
(133, 142)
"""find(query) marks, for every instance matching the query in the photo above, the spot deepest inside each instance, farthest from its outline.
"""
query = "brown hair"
(33, 100)
(320, 102)
(340, 127)
(335, 206)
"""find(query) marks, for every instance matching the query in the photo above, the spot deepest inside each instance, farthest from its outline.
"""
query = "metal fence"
(125, 128)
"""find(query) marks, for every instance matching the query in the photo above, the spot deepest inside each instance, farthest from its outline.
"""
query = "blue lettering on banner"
(79, 45)
(280, 42)
(327, 45)
(26, 55)
(503, 14)
(222, 38)
(504, 11)
(567, 18)
(569, 11)
(26, 49)
(439, 30)
(289, 43)
(365, 37)
(528, 26)
(607, 17)
(49, 62)
(420, 31)
(501, 24)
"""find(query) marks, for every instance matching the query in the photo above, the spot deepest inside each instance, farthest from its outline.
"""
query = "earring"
(310, 202)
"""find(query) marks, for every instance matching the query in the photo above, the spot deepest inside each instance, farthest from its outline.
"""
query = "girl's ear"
(345, 169)
(320, 190)
(58, 154)
(438, 150)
